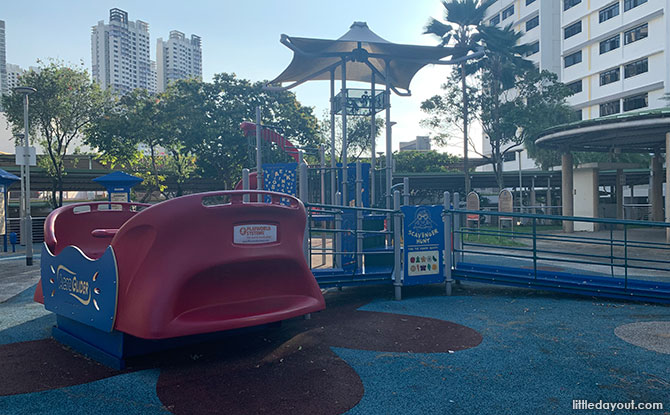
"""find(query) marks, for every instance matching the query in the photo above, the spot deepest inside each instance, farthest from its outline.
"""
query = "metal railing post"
(612, 251)
(397, 231)
(625, 249)
(322, 198)
(405, 191)
(535, 248)
(458, 236)
(245, 184)
(447, 242)
(359, 216)
(338, 234)
(303, 192)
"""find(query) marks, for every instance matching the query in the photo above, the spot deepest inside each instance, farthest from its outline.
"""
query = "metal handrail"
(568, 218)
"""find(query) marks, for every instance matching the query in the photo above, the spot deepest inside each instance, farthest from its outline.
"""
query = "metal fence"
(618, 257)
(14, 225)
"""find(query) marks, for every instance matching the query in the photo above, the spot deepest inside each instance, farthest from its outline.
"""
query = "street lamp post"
(28, 225)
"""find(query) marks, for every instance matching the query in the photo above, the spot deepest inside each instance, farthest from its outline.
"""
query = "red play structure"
(270, 136)
(195, 264)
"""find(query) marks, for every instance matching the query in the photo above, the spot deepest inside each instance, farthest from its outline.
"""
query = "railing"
(14, 225)
(627, 252)
(332, 226)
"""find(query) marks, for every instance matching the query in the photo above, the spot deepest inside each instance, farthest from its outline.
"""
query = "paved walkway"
(15, 275)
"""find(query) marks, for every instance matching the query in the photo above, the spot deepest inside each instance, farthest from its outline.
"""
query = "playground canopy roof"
(640, 131)
(6, 178)
(364, 52)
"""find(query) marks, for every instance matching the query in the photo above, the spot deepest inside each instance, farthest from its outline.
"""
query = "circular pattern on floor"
(650, 335)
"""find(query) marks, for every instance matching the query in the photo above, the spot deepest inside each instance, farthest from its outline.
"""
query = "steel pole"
(333, 156)
(259, 159)
(26, 160)
(667, 185)
(373, 139)
(389, 156)
(345, 196)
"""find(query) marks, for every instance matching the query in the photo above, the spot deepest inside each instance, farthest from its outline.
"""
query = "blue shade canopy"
(364, 52)
(6, 178)
(118, 178)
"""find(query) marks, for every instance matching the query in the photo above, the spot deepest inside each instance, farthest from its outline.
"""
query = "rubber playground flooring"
(484, 350)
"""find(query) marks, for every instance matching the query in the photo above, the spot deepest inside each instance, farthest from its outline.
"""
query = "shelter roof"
(639, 131)
(364, 52)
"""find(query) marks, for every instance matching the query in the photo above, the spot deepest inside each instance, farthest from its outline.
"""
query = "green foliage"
(65, 103)
(359, 142)
(193, 129)
(444, 112)
(424, 162)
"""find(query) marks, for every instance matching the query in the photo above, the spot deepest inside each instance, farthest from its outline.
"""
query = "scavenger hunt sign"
(424, 244)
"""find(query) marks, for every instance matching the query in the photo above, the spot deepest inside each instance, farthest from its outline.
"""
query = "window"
(636, 68)
(508, 12)
(572, 59)
(572, 30)
(609, 12)
(532, 23)
(495, 20)
(629, 4)
(635, 102)
(635, 34)
(567, 4)
(610, 76)
(529, 2)
(610, 108)
(533, 48)
(509, 156)
(578, 115)
(610, 44)
(576, 86)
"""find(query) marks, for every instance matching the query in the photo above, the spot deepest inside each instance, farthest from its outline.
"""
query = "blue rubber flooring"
(539, 353)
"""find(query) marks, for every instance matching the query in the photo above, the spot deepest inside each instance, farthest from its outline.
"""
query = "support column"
(656, 187)
(532, 196)
(389, 146)
(549, 201)
(345, 168)
(567, 190)
(333, 154)
(619, 193)
(373, 139)
(667, 185)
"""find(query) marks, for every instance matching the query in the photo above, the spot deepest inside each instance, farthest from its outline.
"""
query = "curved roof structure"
(364, 52)
(640, 131)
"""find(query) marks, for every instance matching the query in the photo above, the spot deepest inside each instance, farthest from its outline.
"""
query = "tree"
(445, 115)
(465, 19)
(133, 135)
(195, 126)
(424, 162)
(222, 150)
(65, 103)
(501, 69)
(359, 143)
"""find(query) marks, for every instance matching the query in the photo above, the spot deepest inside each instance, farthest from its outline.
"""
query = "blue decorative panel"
(80, 288)
(280, 177)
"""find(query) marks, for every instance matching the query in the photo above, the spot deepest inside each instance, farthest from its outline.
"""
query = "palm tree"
(462, 31)
(500, 68)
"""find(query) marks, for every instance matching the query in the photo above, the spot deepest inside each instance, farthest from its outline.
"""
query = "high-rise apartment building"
(178, 58)
(613, 54)
(120, 53)
(3, 60)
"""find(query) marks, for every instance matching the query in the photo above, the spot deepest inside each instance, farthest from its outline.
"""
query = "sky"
(240, 37)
